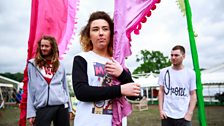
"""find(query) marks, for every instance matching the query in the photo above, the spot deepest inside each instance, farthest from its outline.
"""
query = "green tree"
(151, 62)
(15, 76)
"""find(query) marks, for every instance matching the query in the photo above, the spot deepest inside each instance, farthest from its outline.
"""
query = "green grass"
(144, 118)
(214, 115)
(9, 116)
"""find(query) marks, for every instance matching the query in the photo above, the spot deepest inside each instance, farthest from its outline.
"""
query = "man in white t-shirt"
(177, 93)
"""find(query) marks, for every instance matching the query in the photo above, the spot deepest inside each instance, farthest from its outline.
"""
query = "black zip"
(48, 94)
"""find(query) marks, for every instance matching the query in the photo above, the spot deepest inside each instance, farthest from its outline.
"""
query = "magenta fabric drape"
(52, 17)
(48, 17)
(128, 16)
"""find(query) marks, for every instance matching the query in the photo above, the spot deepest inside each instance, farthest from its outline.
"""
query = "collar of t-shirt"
(47, 71)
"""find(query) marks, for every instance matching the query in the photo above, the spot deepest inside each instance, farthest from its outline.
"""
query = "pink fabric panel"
(52, 17)
(48, 17)
(128, 16)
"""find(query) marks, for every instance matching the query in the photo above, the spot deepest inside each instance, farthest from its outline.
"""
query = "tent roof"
(212, 78)
(147, 81)
(214, 69)
(213, 75)
(206, 78)
(7, 80)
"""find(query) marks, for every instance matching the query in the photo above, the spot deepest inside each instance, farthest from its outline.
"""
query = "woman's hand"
(71, 115)
(31, 121)
(113, 68)
(130, 89)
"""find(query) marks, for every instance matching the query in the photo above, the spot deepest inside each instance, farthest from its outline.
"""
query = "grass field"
(214, 115)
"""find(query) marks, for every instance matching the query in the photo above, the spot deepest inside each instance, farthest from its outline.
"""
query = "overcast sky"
(165, 28)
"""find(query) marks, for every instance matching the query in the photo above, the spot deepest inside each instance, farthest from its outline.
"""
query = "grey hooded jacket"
(41, 94)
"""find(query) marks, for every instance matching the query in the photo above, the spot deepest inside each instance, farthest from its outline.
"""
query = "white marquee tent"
(212, 78)
(213, 81)
(147, 81)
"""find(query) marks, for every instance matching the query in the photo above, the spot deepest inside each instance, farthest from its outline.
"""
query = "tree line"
(15, 76)
(151, 62)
